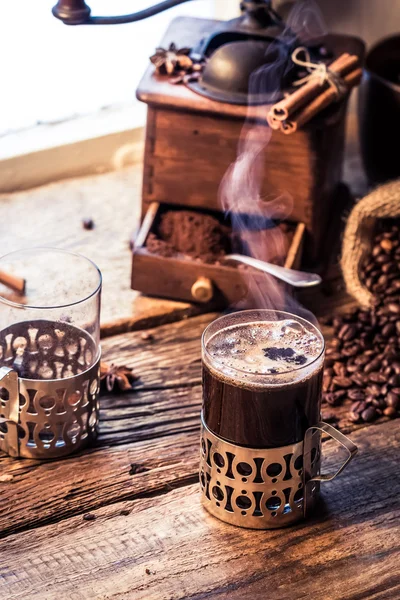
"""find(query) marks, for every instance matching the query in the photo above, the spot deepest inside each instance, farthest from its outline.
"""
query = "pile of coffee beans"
(363, 358)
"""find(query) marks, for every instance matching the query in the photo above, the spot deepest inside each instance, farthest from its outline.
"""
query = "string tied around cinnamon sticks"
(312, 94)
(317, 71)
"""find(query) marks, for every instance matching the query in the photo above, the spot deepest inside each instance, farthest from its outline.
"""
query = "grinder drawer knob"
(202, 289)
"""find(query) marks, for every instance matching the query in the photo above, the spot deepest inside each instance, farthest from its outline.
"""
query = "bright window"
(50, 72)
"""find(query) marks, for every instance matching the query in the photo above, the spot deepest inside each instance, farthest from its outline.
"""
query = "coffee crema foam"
(261, 351)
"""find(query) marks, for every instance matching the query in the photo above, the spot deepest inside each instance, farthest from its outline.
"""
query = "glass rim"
(212, 360)
(55, 306)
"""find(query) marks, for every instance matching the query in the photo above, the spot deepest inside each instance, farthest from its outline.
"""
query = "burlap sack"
(384, 202)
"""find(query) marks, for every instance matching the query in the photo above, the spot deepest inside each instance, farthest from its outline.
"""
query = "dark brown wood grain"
(168, 547)
(155, 428)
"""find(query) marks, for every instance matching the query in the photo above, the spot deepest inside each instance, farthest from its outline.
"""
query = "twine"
(318, 71)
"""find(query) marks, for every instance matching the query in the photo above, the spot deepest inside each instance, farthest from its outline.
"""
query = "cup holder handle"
(9, 422)
(335, 435)
(312, 446)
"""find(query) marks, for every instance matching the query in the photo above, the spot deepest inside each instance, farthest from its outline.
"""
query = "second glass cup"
(49, 354)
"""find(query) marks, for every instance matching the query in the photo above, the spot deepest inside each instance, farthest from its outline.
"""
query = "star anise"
(117, 377)
(167, 61)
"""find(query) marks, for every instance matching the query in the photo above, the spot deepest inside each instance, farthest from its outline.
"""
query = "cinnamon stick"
(13, 282)
(273, 122)
(286, 107)
(319, 103)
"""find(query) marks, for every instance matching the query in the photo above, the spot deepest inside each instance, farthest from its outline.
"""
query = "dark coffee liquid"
(261, 418)
(239, 408)
(44, 350)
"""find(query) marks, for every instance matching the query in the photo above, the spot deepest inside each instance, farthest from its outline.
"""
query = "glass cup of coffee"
(49, 354)
(261, 429)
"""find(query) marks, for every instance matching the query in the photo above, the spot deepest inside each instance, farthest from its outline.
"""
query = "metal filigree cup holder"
(49, 385)
(263, 488)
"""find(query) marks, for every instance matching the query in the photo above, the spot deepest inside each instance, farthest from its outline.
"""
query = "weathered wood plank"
(169, 548)
(143, 427)
(160, 436)
(166, 402)
(171, 357)
(94, 479)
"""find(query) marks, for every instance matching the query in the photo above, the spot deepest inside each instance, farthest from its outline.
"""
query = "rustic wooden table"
(123, 519)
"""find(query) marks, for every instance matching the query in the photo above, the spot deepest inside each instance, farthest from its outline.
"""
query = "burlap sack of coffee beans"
(382, 203)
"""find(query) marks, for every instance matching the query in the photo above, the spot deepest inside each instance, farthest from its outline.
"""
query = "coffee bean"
(374, 365)
(329, 417)
(390, 412)
(374, 390)
(396, 390)
(331, 399)
(334, 356)
(359, 379)
(88, 224)
(335, 398)
(355, 417)
(358, 407)
(387, 371)
(388, 329)
(386, 245)
(339, 369)
(326, 382)
(388, 268)
(369, 414)
(370, 353)
(378, 403)
(343, 331)
(352, 351)
(362, 360)
(396, 367)
(382, 258)
(376, 377)
(335, 343)
(394, 380)
(89, 517)
(350, 333)
(393, 400)
(342, 382)
(356, 394)
(394, 308)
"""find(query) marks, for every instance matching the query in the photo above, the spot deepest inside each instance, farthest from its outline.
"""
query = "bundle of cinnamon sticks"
(296, 109)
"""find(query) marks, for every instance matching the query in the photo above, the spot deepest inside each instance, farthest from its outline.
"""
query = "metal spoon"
(290, 276)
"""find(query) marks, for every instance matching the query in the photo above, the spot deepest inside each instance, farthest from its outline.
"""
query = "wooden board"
(148, 441)
(168, 547)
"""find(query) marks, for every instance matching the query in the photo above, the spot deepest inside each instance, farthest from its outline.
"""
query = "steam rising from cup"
(240, 190)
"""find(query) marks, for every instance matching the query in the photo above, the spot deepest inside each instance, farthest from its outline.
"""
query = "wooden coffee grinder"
(193, 127)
